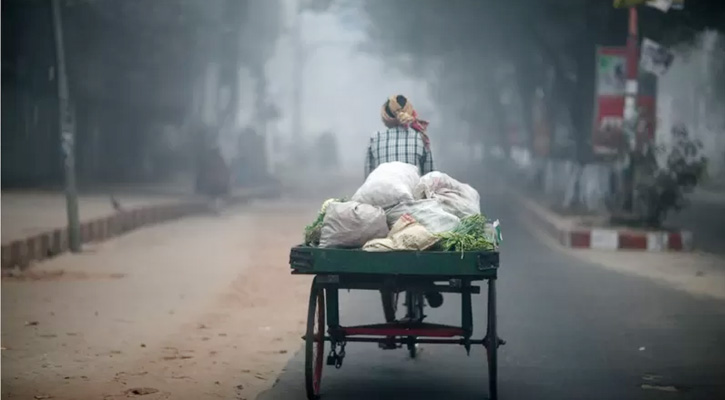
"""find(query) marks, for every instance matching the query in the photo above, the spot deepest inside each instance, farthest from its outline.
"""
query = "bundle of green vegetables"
(473, 233)
(313, 232)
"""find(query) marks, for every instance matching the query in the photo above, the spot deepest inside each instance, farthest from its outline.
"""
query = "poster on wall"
(655, 58)
(608, 134)
(611, 72)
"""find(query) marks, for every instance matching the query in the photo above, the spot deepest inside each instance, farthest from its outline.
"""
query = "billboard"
(662, 5)
(608, 133)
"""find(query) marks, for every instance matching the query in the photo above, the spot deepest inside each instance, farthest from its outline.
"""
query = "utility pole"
(632, 84)
(631, 117)
(67, 134)
(297, 73)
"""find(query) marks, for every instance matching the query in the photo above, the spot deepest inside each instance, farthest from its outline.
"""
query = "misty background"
(143, 82)
(344, 86)
(147, 77)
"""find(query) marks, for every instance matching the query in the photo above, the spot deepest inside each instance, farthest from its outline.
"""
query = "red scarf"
(421, 126)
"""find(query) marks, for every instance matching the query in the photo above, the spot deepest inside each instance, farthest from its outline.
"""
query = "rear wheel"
(315, 342)
(492, 342)
(414, 313)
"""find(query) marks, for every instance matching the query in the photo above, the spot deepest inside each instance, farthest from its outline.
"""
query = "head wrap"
(398, 111)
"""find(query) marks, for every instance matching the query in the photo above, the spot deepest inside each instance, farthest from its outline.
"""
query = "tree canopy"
(153, 50)
(476, 50)
(133, 66)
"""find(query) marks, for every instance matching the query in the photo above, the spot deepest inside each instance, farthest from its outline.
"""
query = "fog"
(190, 187)
(343, 86)
(514, 83)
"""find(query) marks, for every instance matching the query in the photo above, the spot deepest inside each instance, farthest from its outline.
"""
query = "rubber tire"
(414, 305)
(493, 369)
(315, 319)
(493, 342)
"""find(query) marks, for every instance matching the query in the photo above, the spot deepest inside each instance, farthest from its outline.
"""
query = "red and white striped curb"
(22, 252)
(607, 239)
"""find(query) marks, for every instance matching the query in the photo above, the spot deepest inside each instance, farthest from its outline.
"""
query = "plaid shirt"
(398, 144)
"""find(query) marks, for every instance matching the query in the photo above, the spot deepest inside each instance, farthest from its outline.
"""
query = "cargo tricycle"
(412, 273)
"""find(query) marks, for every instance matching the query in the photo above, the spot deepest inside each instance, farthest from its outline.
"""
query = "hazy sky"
(344, 87)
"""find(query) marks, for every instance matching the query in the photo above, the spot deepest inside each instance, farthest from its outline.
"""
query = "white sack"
(429, 213)
(456, 198)
(407, 234)
(388, 185)
(351, 224)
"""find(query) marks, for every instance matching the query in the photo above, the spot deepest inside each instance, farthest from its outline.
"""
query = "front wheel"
(315, 342)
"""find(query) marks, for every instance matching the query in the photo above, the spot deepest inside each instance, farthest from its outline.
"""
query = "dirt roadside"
(201, 308)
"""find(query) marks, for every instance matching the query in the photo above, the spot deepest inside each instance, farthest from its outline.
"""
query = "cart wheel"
(414, 303)
(315, 342)
(492, 351)
(492, 342)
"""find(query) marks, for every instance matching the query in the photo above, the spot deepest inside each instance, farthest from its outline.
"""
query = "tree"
(550, 45)
(136, 65)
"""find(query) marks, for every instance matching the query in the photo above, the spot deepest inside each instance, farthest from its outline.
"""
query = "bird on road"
(116, 204)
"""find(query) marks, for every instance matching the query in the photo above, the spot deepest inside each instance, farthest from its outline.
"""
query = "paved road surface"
(574, 331)
(204, 308)
(705, 217)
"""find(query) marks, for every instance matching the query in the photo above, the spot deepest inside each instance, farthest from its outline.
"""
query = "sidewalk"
(29, 213)
(34, 222)
(594, 232)
(708, 195)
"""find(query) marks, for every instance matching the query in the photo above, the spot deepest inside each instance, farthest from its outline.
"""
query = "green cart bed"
(415, 274)
(474, 265)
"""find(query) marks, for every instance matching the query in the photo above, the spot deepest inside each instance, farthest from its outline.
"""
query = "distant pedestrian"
(213, 175)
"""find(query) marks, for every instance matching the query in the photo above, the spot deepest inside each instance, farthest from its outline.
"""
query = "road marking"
(651, 377)
(662, 388)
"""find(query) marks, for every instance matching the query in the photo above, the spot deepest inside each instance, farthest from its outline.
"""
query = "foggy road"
(135, 112)
(205, 308)
(574, 331)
